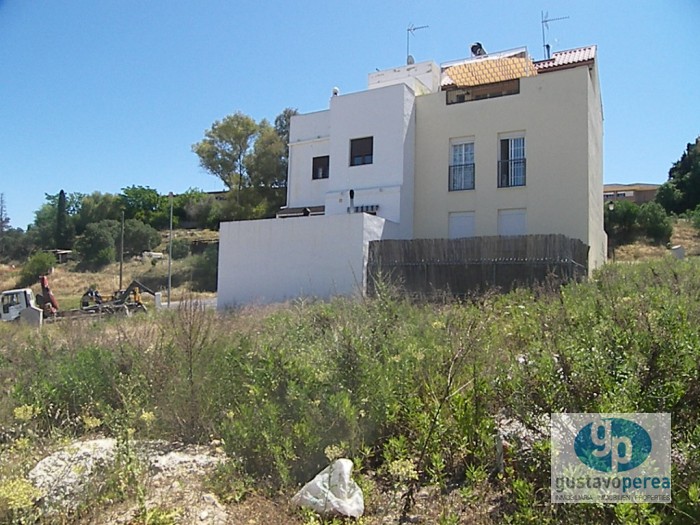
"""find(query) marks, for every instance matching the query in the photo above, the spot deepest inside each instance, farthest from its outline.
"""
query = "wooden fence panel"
(463, 266)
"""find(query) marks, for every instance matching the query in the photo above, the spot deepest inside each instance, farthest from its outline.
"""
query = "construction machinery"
(22, 304)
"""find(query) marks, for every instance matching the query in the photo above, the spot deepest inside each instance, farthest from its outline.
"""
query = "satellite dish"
(478, 50)
(410, 60)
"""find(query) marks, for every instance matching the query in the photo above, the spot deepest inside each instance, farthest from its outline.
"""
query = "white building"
(491, 145)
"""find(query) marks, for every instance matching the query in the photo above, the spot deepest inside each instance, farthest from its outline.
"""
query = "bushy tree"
(181, 248)
(14, 245)
(621, 221)
(97, 207)
(39, 264)
(205, 269)
(681, 192)
(147, 205)
(654, 222)
(225, 147)
(139, 237)
(96, 247)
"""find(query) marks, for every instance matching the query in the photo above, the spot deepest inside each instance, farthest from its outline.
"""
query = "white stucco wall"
(386, 114)
(564, 167)
(309, 137)
(422, 78)
(273, 260)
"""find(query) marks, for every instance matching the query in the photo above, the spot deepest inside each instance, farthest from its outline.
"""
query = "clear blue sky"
(100, 95)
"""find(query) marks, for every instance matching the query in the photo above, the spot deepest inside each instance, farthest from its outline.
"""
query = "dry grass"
(684, 234)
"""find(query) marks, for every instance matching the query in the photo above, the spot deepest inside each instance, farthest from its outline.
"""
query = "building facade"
(491, 145)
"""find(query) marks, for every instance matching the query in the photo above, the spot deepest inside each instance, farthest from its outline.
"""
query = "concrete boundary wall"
(274, 260)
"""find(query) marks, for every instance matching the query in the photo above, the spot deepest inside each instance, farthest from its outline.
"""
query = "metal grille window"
(461, 176)
(320, 167)
(511, 166)
(361, 151)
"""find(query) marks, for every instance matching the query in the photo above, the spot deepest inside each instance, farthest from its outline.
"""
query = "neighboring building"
(493, 145)
(638, 193)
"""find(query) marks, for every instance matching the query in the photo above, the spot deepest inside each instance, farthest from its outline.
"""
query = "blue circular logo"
(612, 445)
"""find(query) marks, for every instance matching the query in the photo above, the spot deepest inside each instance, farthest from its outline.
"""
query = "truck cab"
(14, 302)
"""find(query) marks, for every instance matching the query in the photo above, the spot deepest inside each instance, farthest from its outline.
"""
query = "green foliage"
(224, 148)
(626, 221)
(96, 247)
(139, 237)
(181, 248)
(682, 190)
(64, 229)
(654, 222)
(14, 245)
(205, 269)
(97, 207)
(412, 392)
(621, 222)
(146, 205)
(39, 264)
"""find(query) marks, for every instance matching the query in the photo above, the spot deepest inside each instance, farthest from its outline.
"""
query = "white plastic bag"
(333, 492)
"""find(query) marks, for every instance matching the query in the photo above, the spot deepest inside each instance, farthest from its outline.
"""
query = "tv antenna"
(545, 24)
(410, 30)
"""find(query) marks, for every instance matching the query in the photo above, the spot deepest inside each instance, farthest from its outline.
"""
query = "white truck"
(19, 304)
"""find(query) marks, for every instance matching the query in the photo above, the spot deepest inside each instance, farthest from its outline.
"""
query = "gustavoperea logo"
(611, 458)
(612, 445)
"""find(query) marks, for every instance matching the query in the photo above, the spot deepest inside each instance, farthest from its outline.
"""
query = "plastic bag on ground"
(333, 492)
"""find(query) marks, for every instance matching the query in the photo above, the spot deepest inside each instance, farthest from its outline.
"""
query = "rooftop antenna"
(545, 24)
(410, 30)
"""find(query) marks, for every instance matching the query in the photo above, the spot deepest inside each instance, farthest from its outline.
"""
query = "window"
(512, 222)
(511, 163)
(460, 224)
(361, 151)
(320, 167)
(461, 175)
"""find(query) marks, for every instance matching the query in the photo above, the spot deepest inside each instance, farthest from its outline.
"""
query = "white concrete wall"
(598, 253)
(421, 78)
(309, 137)
(273, 260)
(562, 155)
(386, 114)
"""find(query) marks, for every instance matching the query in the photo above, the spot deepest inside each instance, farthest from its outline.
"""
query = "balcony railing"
(511, 173)
(461, 177)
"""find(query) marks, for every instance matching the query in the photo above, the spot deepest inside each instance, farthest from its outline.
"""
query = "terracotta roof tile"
(487, 70)
(567, 58)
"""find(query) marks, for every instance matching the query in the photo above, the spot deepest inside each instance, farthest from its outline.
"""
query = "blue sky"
(100, 95)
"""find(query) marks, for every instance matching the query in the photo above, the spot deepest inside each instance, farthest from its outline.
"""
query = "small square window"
(320, 168)
(361, 151)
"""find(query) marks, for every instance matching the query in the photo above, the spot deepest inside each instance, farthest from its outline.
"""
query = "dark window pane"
(320, 167)
(361, 151)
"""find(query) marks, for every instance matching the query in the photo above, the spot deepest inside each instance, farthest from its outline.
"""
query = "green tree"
(681, 192)
(621, 222)
(39, 264)
(267, 168)
(654, 222)
(64, 236)
(138, 237)
(147, 205)
(97, 207)
(96, 247)
(14, 245)
(42, 231)
(225, 147)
